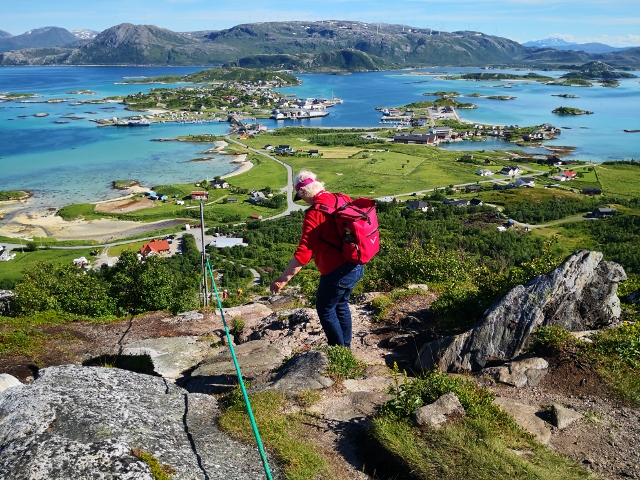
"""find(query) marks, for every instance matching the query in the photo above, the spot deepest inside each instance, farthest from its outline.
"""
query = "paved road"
(291, 205)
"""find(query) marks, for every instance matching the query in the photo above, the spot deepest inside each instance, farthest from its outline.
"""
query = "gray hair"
(311, 189)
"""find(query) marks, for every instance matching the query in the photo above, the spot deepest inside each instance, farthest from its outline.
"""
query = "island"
(570, 111)
(564, 95)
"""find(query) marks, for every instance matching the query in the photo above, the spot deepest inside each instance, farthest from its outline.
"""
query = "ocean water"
(77, 161)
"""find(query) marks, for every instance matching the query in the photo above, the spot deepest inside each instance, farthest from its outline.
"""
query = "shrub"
(342, 364)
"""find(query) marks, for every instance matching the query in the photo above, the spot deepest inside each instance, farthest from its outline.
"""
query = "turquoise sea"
(77, 161)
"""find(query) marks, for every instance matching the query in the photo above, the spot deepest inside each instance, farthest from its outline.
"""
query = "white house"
(510, 170)
(525, 182)
(484, 172)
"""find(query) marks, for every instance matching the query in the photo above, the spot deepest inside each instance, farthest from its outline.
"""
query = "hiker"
(225, 294)
(338, 277)
(239, 291)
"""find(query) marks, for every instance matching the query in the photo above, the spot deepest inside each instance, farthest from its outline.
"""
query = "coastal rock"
(435, 414)
(578, 295)
(83, 422)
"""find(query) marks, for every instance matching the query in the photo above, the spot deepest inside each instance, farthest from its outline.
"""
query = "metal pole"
(204, 254)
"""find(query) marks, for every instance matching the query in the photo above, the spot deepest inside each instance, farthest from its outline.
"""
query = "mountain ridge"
(39, 37)
(560, 44)
(306, 46)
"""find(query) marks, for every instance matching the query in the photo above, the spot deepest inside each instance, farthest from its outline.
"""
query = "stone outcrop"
(217, 373)
(83, 422)
(578, 295)
(304, 372)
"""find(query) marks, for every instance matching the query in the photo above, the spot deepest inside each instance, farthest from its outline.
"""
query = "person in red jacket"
(337, 276)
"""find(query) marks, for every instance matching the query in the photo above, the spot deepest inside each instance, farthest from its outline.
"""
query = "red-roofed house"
(570, 174)
(199, 195)
(155, 247)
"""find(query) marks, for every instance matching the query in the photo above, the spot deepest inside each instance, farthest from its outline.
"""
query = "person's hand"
(276, 286)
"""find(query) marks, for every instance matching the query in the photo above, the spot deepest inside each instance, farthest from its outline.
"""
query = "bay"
(76, 161)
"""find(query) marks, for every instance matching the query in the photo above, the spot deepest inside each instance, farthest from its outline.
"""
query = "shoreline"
(26, 222)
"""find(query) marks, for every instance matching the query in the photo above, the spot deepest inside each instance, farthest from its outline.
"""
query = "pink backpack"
(357, 226)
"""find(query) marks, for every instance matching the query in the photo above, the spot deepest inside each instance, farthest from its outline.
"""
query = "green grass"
(479, 445)
(158, 470)
(11, 195)
(265, 172)
(11, 271)
(622, 180)
(343, 365)
(117, 250)
(280, 433)
(80, 210)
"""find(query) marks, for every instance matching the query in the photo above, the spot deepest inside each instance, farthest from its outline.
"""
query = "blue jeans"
(332, 302)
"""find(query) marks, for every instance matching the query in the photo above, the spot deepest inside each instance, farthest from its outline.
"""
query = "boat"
(139, 123)
(631, 131)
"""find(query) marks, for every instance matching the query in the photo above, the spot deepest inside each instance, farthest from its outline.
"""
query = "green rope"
(263, 455)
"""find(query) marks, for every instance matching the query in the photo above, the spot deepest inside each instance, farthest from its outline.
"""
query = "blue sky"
(615, 22)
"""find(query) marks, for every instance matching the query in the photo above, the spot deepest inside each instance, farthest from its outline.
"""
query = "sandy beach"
(20, 221)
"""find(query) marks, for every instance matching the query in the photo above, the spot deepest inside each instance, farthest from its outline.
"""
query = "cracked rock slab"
(82, 422)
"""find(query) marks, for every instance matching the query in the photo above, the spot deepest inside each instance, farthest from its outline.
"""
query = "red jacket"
(316, 228)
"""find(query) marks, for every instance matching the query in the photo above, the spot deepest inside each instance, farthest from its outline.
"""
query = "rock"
(8, 381)
(304, 372)
(172, 355)
(633, 297)
(562, 417)
(351, 406)
(252, 315)
(367, 297)
(82, 422)
(369, 384)
(5, 302)
(578, 295)
(519, 373)
(398, 340)
(526, 416)
(435, 414)
(218, 374)
(186, 317)
(418, 286)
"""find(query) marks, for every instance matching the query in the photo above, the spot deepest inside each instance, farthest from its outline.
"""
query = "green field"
(11, 271)
(265, 172)
(619, 179)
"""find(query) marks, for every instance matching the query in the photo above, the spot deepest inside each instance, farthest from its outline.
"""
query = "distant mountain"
(40, 37)
(560, 44)
(304, 46)
(4, 34)
(551, 42)
(85, 34)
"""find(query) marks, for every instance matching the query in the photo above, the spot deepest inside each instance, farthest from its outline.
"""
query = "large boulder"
(581, 294)
(83, 422)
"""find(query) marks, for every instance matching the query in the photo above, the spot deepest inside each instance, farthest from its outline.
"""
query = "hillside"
(41, 37)
(302, 46)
